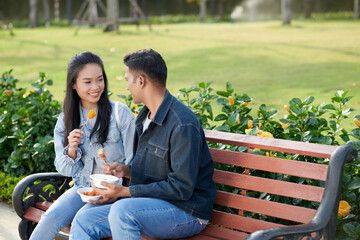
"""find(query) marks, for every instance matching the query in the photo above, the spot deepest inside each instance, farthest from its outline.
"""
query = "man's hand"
(113, 192)
(116, 169)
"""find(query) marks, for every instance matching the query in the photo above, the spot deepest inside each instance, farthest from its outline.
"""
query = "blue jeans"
(129, 217)
(60, 214)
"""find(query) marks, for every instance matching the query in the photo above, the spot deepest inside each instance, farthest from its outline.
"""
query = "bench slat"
(33, 214)
(271, 164)
(223, 233)
(280, 145)
(287, 189)
(241, 223)
(273, 209)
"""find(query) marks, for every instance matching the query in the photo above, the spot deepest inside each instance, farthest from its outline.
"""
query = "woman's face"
(89, 85)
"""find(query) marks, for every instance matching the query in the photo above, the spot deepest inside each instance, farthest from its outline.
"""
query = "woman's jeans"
(60, 214)
(129, 217)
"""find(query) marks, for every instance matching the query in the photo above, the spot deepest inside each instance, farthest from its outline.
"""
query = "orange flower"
(91, 114)
(286, 107)
(357, 122)
(231, 100)
(284, 126)
(257, 112)
(245, 103)
(238, 121)
(344, 208)
(250, 124)
(8, 92)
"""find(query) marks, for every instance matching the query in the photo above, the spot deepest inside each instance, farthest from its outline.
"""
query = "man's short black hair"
(150, 62)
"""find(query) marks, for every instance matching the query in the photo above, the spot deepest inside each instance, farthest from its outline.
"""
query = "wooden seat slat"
(273, 209)
(271, 164)
(287, 189)
(223, 233)
(33, 214)
(280, 145)
(241, 223)
(43, 205)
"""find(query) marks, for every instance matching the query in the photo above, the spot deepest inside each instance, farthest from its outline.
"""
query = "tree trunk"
(183, 7)
(46, 12)
(68, 10)
(33, 16)
(56, 10)
(308, 8)
(202, 10)
(221, 10)
(213, 7)
(112, 8)
(286, 11)
(356, 9)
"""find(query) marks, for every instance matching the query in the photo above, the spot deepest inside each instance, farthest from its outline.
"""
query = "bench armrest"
(324, 221)
(38, 187)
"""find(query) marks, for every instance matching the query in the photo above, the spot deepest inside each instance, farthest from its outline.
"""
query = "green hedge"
(26, 142)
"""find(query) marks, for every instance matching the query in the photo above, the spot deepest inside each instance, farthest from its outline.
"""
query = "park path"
(9, 221)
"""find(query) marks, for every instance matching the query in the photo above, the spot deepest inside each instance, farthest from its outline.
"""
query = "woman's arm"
(65, 164)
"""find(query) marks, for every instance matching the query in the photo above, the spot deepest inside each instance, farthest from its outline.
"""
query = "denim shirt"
(117, 148)
(172, 160)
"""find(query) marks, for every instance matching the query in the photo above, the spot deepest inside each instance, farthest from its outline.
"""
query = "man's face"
(133, 85)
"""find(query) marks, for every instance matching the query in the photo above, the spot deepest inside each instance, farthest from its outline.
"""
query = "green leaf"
(221, 117)
(295, 110)
(354, 184)
(329, 106)
(15, 117)
(295, 101)
(233, 118)
(202, 85)
(309, 100)
(49, 82)
(349, 228)
(271, 114)
(288, 121)
(228, 87)
(223, 94)
(223, 128)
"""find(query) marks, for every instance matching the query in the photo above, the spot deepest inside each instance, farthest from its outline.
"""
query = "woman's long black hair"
(72, 99)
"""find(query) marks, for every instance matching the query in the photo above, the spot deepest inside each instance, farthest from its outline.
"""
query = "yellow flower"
(257, 112)
(344, 208)
(246, 103)
(231, 100)
(238, 121)
(357, 122)
(250, 124)
(286, 107)
(265, 134)
(270, 154)
(29, 93)
(284, 126)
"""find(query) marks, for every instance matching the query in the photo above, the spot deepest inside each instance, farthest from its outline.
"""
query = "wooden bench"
(257, 194)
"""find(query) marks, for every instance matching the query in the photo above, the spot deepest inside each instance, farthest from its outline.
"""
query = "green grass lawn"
(269, 62)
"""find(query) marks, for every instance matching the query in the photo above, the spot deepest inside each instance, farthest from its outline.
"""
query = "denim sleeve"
(186, 144)
(127, 131)
(64, 164)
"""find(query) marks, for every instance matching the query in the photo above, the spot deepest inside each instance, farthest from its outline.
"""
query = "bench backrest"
(256, 175)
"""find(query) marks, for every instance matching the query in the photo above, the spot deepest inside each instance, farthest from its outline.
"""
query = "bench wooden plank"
(270, 164)
(287, 189)
(241, 223)
(223, 233)
(280, 145)
(273, 209)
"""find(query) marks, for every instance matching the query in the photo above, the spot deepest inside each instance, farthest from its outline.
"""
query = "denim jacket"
(118, 146)
(172, 160)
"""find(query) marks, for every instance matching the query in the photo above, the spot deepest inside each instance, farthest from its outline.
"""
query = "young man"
(171, 193)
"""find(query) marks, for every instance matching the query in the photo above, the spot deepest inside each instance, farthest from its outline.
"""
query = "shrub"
(7, 185)
(27, 120)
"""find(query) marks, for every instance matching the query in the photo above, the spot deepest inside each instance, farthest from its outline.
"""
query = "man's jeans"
(60, 214)
(127, 218)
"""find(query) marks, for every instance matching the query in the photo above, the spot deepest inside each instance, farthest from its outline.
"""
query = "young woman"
(112, 129)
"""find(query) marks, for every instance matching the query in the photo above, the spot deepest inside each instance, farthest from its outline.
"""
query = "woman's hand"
(116, 169)
(113, 192)
(74, 139)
